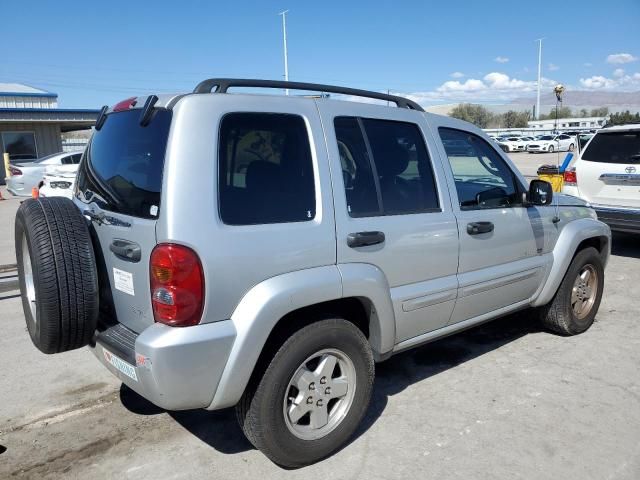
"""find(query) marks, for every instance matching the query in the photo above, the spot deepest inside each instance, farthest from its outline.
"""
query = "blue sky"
(436, 51)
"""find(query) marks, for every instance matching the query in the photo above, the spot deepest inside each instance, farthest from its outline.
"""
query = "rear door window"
(385, 167)
(125, 162)
(614, 147)
(265, 169)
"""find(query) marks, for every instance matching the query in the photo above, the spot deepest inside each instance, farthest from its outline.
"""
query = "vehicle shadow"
(220, 430)
(625, 245)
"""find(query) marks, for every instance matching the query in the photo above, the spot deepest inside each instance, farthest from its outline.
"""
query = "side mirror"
(540, 193)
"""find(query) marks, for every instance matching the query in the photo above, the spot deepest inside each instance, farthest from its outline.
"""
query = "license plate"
(120, 365)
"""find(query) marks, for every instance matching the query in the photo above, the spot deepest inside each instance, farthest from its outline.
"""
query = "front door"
(501, 240)
(392, 209)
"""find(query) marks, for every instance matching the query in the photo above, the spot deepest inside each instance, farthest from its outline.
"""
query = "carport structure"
(31, 124)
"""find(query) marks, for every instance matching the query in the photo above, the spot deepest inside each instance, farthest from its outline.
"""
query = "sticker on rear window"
(123, 281)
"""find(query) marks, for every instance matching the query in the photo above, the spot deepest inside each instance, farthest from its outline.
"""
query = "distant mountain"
(585, 98)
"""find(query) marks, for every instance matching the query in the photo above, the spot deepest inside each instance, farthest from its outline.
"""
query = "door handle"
(126, 250)
(476, 228)
(364, 239)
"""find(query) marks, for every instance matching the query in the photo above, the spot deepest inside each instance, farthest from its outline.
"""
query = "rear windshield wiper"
(104, 187)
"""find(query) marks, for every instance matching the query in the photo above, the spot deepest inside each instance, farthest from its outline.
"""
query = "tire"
(57, 274)
(550, 149)
(559, 315)
(571, 147)
(263, 411)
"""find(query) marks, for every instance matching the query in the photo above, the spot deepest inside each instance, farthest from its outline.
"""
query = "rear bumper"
(175, 368)
(619, 219)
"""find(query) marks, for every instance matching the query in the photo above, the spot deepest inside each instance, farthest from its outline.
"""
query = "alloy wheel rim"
(584, 291)
(30, 289)
(319, 394)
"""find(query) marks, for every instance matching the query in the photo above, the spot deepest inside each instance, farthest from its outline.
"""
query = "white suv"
(552, 143)
(607, 174)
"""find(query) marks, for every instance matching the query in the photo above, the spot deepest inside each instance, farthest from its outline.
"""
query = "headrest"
(391, 159)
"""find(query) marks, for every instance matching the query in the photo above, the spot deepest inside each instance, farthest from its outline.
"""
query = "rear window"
(618, 147)
(124, 163)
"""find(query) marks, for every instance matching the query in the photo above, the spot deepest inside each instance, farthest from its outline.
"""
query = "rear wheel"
(572, 147)
(57, 274)
(575, 304)
(312, 395)
(550, 148)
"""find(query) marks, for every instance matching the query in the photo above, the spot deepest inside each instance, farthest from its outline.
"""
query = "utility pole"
(539, 77)
(284, 39)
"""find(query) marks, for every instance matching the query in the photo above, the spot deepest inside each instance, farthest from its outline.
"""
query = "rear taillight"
(177, 285)
(570, 177)
(15, 172)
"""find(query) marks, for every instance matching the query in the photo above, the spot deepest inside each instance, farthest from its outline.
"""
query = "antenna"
(284, 41)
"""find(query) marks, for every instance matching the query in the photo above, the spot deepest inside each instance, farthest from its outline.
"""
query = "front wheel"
(312, 395)
(572, 147)
(575, 304)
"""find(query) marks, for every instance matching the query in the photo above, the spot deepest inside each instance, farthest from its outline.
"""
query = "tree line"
(483, 118)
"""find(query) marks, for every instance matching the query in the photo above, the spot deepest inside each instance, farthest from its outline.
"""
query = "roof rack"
(223, 84)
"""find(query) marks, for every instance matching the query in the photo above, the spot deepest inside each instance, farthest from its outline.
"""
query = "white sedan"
(514, 144)
(552, 143)
(26, 175)
(59, 181)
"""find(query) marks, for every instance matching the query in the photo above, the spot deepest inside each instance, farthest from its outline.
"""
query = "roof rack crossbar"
(221, 85)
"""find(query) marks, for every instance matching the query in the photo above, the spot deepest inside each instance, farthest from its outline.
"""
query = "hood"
(62, 170)
(565, 200)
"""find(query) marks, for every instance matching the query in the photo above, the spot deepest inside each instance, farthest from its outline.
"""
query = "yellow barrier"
(6, 165)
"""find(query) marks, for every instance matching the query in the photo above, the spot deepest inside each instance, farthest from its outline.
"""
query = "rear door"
(119, 186)
(609, 169)
(392, 209)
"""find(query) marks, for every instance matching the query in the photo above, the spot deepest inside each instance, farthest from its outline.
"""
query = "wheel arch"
(272, 310)
(574, 237)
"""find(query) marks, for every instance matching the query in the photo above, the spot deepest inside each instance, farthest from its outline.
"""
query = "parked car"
(25, 176)
(58, 181)
(513, 144)
(552, 143)
(607, 175)
(270, 283)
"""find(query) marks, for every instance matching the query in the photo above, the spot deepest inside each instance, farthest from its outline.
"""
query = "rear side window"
(265, 169)
(124, 163)
(618, 147)
(385, 167)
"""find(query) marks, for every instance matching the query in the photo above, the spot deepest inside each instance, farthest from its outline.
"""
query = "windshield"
(614, 147)
(547, 137)
(122, 170)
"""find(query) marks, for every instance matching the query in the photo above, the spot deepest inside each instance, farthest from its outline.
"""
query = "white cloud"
(553, 68)
(622, 82)
(618, 58)
(500, 59)
(495, 86)
(457, 75)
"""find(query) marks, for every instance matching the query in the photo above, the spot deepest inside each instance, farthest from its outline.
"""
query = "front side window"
(483, 179)
(20, 145)
(265, 169)
(385, 167)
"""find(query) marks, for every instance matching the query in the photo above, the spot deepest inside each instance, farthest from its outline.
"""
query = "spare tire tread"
(64, 269)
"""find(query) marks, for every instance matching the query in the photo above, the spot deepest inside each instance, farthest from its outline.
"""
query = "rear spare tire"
(57, 274)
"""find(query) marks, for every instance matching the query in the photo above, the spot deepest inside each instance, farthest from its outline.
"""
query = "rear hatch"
(119, 187)
(609, 170)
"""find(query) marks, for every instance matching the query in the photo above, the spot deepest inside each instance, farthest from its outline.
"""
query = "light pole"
(284, 40)
(539, 76)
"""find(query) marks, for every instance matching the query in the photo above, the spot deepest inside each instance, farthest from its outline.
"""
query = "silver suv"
(264, 252)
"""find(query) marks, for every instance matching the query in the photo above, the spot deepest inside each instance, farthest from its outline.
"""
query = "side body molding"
(570, 237)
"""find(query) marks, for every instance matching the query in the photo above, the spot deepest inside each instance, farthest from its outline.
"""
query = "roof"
(21, 90)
